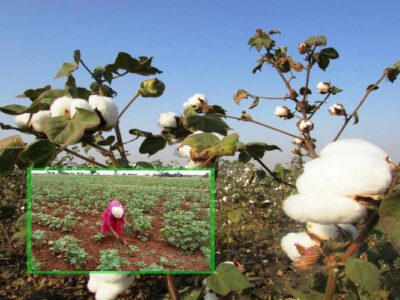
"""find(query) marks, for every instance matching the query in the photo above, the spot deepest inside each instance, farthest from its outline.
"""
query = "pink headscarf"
(109, 221)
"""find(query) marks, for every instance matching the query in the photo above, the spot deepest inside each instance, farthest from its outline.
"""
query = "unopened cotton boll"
(196, 100)
(167, 119)
(337, 109)
(352, 147)
(323, 208)
(289, 242)
(79, 103)
(40, 119)
(346, 175)
(323, 87)
(22, 120)
(107, 108)
(61, 107)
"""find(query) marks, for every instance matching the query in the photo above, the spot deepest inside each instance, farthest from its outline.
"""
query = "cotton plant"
(331, 196)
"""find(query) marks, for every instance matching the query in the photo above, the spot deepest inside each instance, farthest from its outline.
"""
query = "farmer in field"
(114, 220)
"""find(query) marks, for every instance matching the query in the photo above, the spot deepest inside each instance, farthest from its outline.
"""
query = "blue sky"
(202, 47)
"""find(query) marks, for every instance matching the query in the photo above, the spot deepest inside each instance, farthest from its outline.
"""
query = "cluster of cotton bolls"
(346, 171)
(67, 106)
(108, 286)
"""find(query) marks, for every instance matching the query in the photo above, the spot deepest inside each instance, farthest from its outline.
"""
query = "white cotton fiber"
(346, 175)
(40, 119)
(331, 231)
(196, 100)
(107, 108)
(352, 147)
(167, 119)
(79, 103)
(108, 286)
(22, 120)
(61, 107)
(289, 241)
(184, 150)
(323, 208)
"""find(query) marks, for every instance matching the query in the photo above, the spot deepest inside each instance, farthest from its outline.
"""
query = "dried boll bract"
(291, 241)
(323, 87)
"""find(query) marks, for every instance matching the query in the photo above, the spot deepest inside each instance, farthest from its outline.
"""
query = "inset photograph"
(141, 221)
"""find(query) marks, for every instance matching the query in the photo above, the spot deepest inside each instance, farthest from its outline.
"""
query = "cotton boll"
(61, 107)
(346, 175)
(110, 291)
(289, 242)
(79, 103)
(352, 147)
(351, 229)
(22, 121)
(323, 208)
(168, 119)
(40, 119)
(107, 108)
(323, 232)
(194, 164)
(196, 100)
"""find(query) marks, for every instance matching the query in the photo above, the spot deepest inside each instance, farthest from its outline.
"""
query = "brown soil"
(149, 251)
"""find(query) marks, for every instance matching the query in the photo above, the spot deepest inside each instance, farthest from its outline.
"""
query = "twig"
(104, 152)
(129, 104)
(120, 143)
(331, 284)
(9, 127)
(85, 158)
(273, 174)
(87, 69)
(261, 124)
(319, 105)
(269, 98)
(369, 90)
(172, 289)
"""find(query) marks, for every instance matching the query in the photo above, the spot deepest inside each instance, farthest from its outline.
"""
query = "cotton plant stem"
(85, 158)
(129, 104)
(104, 152)
(172, 288)
(120, 142)
(261, 124)
(369, 90)
(268, 97)
(319, 105)
(331, 284)
(273, 174)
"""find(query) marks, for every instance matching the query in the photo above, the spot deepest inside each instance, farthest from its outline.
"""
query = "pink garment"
(109, 221)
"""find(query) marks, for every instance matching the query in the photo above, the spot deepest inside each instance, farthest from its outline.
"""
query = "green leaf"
(207, 123)
(335, 90)
(66, 69)
(152, 144)
(61, 130)
(49, 96)
(312, 295)
(236, 215)
(193, 295)
(261, 40)
(125, 61)
(70, 86)
(200, 142)
(33, 94)
(77, 56)
(389, 212)
(330, 52)
(318, 40)
(280, 171)
(41, 153)
(122, 163)
(356, 118)
(244, 157)
(10, 147)
(226, 279)
(363, 273)
(261, 174)
(225, 147)
(139, 132)
(83, 93)
(257, 150)
(323, 61)
(216, 109)
(274, 31)
(303, 91)
(20, 225)
(13, 109)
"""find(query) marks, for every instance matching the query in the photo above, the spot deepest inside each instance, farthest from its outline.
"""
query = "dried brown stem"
(129, 104)
(85, 158)
(369, 90)
(172, 289)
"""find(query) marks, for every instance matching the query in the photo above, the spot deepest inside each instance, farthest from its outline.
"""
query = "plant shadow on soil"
(149, 252)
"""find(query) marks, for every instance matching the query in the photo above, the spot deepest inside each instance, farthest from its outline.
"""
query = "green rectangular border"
(29, 222)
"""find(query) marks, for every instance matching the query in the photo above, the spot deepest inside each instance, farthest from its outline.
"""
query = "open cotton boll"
(110, 291)
(107, 108)
(289, 241)
(196, 100)
(351, 229)
(95, 280)
(323, 232)
(79, 103)
(61, 107)
(352, 146)
(22, 121)
(184, 150)
(168, 119)
(194, 164)
(40, 119)
(323, 208)
(346, 175)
